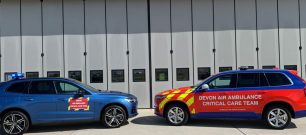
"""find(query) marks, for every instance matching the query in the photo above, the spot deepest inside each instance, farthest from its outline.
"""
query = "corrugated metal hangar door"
(143, 47)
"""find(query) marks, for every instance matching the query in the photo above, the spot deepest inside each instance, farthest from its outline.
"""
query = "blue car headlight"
(131, 100)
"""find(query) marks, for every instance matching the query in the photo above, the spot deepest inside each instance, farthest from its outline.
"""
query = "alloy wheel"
(14, 124)
(176, 115)
(114, 117)
(278, 117)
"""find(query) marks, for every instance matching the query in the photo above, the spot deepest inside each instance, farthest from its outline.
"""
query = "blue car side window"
(42, 87)
(68, 88)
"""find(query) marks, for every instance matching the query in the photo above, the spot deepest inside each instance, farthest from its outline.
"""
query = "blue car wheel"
(14, 123)
(113, 116)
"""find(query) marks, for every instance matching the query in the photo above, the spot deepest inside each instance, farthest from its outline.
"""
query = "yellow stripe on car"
(162, 103)
(190, 101)
(182, 96)
(193, 111)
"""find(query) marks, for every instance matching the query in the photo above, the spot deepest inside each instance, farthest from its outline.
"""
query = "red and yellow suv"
(274, 96)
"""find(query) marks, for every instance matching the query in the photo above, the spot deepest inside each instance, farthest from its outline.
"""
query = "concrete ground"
(146, 123)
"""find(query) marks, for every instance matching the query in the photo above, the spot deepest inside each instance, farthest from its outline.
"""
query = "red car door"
(213, 101)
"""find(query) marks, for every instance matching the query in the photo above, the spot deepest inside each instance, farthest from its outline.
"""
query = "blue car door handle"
(29, 99)
(62, 99)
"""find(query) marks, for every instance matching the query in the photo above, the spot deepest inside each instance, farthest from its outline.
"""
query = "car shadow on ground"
(66, 127)
(221, 123)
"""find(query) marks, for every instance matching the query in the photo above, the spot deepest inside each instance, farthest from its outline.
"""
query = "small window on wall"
(117, 76)
(53, 74)
(32, 74)
(223, 69)
(77, 75)
(8, 76)
(96, 76)
(203, 73)
(182, 74)
(139, 75)
(268, 67)
(161, 74)
(290, 67)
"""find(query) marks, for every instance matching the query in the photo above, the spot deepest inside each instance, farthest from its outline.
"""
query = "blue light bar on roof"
(17, 75)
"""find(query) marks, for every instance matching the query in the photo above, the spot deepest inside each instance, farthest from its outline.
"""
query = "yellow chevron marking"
(165, 93)
(176, 91)
(182, 96)
(193, 111)
(69, 99)
(190, 101)
(162, 104)
(86, 108)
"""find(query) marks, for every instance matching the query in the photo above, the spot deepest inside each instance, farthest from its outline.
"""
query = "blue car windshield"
(199, 83)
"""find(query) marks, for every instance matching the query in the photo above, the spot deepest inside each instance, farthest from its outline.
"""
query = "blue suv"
(26, 102)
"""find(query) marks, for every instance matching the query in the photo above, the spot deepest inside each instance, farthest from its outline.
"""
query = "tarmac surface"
(146, 123)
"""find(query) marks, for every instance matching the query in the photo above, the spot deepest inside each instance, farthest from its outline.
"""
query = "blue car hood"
(115, 93)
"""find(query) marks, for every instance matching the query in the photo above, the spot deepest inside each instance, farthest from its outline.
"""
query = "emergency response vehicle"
(274, 96)
(25, 102)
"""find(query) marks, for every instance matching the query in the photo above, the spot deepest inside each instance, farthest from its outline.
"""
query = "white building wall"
(144, 47)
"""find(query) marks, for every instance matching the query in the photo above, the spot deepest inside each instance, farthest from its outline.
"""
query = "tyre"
(114, 116)
(177, 115)
(277, 117)
(14, 123)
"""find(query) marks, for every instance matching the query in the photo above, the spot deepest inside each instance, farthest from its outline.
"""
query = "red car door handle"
(262, 92)
(223, 94)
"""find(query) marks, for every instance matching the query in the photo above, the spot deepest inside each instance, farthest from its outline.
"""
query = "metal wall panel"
(225, 34)
(117, 42)
(182, 41)
(289, 33)
(53, 36)
(246, 33)
(203, 39)
(10, 37)
(31, 36)
(268, 33)
(139, 51)
(303, 35)
(74, 43)
(96, 40)
(160, 44)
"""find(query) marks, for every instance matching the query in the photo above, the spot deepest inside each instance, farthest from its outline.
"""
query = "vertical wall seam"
(278, 33)
(85, 40)
(63, 25)
(214, 36)
(106, 43)
(171, 42)
(150, 54)
(300, 38)
(42, 37)
(192, 43)
(127, 44)
(235, 21)
(257, 38)
(20, 26)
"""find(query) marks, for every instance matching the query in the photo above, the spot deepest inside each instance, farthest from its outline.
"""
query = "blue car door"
(71, 105)
(40, 101)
